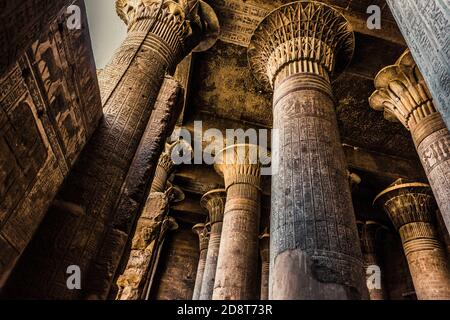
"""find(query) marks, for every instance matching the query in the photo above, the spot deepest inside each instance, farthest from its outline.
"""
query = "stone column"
(201, 230)
(368, 231)
(162, 173)
(403, 95)
(214, 202)
(411, 208)
(315, 252)
(150, 232)
(425, 25)
(160, 34)
(265, 263)
(237, 265)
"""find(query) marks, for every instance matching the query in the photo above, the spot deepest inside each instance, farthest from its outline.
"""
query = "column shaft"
(238, 256)
(150, 231)
(214, 201)
(368, 231)
(237, 265)
(159, 35)
(411, 208)
(265, 265)
(313, 229)
(202, 232)
(432, 140)
(427, 261)
(403, 95)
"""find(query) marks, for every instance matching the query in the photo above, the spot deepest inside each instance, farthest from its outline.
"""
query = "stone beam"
(22, 22)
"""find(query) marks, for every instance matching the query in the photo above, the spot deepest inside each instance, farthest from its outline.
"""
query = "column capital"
(407, 202)
(241, 164)
(300, 37)
(165, 162)
(201, 230)
(193, 21)
(214, 202)
(401, 92)
(174, 193)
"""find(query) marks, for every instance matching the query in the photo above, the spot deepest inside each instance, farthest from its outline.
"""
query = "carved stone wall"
(23, 22)
(49, 108)
(158, 38)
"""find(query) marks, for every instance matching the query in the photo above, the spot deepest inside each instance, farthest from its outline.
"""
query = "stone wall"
(50, 105)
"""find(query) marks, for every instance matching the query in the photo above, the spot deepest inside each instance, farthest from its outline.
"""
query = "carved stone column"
(403, 96)
(151, 228)
(237, 265)
(296, 51)
(411, 208)
(160, 34)
(425, 26)
(265, 263)
(201, 230)
(368, 231)
(214, 202)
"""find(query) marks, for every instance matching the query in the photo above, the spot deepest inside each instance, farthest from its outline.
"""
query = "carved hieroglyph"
(160, 34)
(412, 208)
(202, 231)
(264, 251)
(403, 95)
(214, 202)
(236, 275)
(368, 233)
(49, 107)
(295, 51)
(425, 26)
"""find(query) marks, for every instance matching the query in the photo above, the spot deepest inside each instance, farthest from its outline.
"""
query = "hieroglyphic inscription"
(239, 19)
(92, 189)
(426, 26)
(312, 210)
(22, 22)
(434, 152)
(50, 105)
